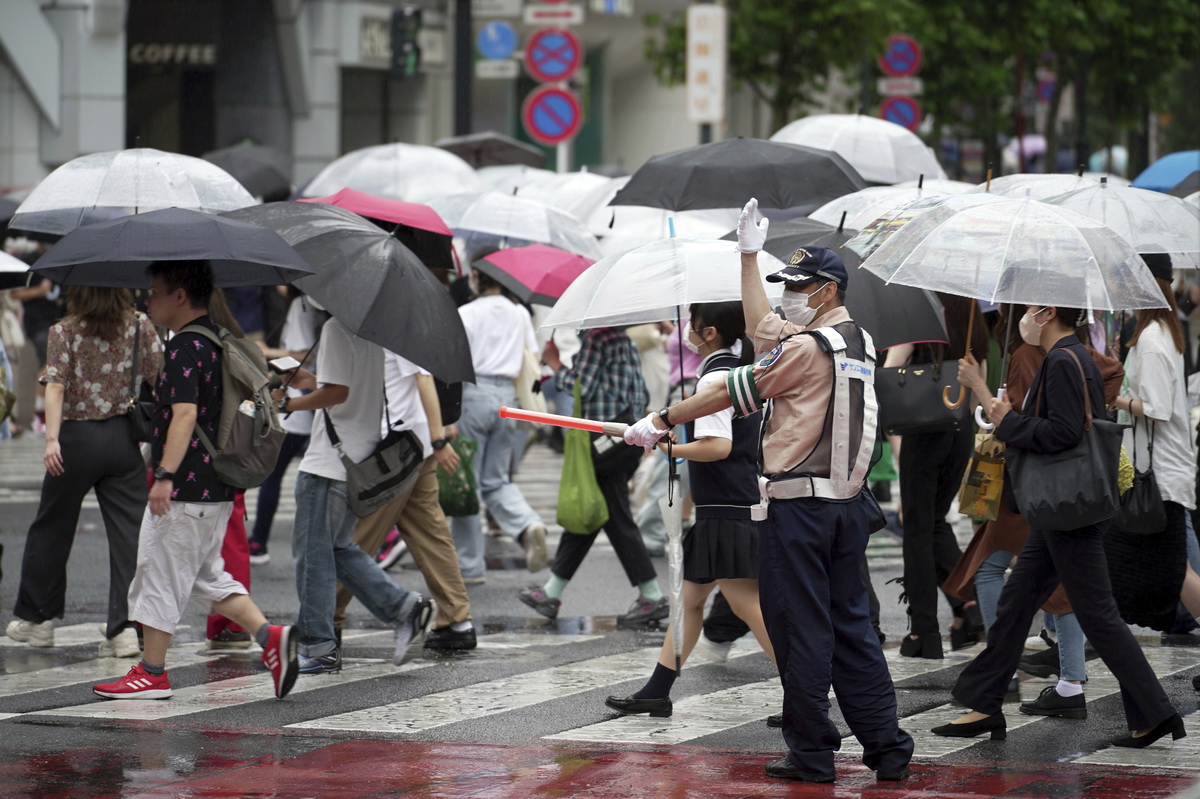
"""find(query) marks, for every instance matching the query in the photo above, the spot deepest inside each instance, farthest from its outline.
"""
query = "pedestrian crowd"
(774, 413)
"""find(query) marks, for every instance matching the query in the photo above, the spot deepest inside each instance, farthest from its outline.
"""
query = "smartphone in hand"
(284, 364)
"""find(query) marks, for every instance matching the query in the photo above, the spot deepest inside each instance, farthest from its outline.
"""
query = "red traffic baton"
(607, 428)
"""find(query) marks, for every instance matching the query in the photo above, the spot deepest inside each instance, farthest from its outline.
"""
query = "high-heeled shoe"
(1173, 725)
(927, 645)
(995, 724)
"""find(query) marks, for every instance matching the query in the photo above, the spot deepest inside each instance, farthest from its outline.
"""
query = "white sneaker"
(533, 540)
(123, 645)
(41, 634)
(711, 650)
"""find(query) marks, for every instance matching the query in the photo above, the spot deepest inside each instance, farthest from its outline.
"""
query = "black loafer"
(892, 776)
(775, 720)
(446, 638)
(1051, 703)
(994, 724)
(784, 769)
(626, 706)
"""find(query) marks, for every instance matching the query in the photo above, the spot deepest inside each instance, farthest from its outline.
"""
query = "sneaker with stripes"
(280, 658)
(137, 684)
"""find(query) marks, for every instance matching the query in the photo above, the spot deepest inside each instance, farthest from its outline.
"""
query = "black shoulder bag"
(141, 401)
(1142, 511)
(391, 469)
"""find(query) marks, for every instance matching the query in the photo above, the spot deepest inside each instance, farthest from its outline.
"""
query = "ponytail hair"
(1079, 320)
(730, 322)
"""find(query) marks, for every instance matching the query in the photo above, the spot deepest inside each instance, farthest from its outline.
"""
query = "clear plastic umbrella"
(1016, 251)
(1193, 198)
(516, 219)
(103, 186)
(634, 225)
(505, 179)
(414, 173)
(654, 282)
(861, 208)
(937, 186)
(671, 506)
(14, 273)
(1151, 221)
(1035, 187)
(881, 151)
(572, 192)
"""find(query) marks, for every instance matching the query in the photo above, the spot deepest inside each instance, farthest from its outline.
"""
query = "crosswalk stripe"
(228, 693)
(1166, 753)
(67, 635)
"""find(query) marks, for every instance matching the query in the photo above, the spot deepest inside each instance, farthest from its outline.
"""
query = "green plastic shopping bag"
(581, 506)
(456, 492)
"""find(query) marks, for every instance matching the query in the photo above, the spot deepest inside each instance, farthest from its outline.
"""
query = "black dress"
(723, 543)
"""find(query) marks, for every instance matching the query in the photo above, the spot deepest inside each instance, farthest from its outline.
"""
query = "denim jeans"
(325, 554)
(268, 493)
(1070, 647)
(481, 421)
(989, 582)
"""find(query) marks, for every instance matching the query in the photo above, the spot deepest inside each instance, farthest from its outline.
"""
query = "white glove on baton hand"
(643, 433)
(751, 237)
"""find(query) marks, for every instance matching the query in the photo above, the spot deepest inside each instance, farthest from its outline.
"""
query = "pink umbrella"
(418, 227)
(537, 273)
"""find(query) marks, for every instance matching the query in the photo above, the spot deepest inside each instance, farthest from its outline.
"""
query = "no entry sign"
(551, 115)
(552, 55)
(901, 57)
(904, 111)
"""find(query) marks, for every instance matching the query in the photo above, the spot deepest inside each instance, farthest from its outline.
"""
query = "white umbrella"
(1149, 220)
(1113, 180)
(1033, 186)
(516, 219)
(881, 151)
(635, 225)
(936, 186)
(511, 176)
(654, 282)
(414, 173)
(14, 273)
(103, 186)
(865, 206)
(1193, 198)
(572, 192)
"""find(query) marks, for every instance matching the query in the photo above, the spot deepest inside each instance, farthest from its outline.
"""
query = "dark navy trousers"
(815, 605)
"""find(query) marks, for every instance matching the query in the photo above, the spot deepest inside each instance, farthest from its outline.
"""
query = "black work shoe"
(446, 638)
(892, 776)
(1051, 703)
(644, 611)
(775, 720)
(1042, 664)
(785, 770)
(325, 664)
(659, 708)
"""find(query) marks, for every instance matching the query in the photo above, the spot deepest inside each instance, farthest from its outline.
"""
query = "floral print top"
(95, 373)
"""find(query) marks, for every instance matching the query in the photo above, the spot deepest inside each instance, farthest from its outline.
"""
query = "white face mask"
(687, 341)
(1031, 331)
(796, 309)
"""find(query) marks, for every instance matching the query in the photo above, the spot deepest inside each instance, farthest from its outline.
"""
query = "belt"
(817, 487)
(735, 512)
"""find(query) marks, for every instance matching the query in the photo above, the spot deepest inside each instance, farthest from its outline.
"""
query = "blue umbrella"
(1167, 172)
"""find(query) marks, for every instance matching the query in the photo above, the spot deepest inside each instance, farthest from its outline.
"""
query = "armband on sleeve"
(743, 393)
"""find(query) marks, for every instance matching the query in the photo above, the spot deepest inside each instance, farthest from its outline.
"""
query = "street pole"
(462, 67)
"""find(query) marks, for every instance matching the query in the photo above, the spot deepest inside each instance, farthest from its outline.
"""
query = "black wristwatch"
(439, 443)
(664, 415)
(162, 474)
(283, 403)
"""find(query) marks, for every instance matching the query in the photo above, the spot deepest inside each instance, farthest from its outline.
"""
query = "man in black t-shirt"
(179, 547)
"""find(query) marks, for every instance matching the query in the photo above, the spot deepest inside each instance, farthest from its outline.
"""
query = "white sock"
(1065, 688)
(460, 626)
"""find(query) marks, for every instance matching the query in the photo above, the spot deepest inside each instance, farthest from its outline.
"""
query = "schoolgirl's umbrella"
(535, 274)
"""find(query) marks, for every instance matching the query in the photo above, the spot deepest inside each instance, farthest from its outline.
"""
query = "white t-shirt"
(719, 424)
(498, 330)
(346, 360)
(299, 333)
(404, 398)
(1154, 369)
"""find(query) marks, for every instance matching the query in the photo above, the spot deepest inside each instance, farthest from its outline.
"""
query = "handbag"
(1075, 487)
(581, 505)
(1142, 511)
(910, 399)
(141, 399)
(390, 470)
(528, 384)
(983, 482)
(456, 492)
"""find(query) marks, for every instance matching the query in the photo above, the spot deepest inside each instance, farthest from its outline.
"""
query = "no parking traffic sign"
(902, 56)
(552, 55)
(551, 115)
(904, 111)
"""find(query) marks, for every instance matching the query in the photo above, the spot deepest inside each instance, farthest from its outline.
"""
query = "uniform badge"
(771, 357)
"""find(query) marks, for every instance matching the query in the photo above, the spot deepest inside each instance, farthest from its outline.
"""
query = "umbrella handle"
(958, 403)
(962, 390)
(981, 420)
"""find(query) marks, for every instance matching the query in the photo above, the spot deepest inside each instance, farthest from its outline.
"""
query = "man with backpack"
(179, 549)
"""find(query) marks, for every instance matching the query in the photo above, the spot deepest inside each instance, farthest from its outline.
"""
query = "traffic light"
(406, 52)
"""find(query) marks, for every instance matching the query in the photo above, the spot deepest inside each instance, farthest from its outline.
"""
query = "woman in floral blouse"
(89, 444)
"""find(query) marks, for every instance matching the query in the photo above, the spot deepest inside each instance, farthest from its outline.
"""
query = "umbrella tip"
(1079, 174)
(842, 223)
(921, 182)
(1104, 182)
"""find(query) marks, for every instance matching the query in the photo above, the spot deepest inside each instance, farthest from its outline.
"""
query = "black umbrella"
(372, 284)
(726, 174)
(116, 253)
(893, 315)
(492, 149)
(264, 171)
(1189, 185)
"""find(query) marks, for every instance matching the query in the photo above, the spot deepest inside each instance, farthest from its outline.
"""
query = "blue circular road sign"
(552, 115)
(496, 40)
(552, 55)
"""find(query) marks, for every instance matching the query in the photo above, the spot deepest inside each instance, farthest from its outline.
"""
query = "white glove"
(751, 237)
(643, 433)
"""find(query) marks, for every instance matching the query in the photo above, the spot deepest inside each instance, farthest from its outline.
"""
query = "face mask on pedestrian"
(687, 340)
(1031, 331)
(796, 309)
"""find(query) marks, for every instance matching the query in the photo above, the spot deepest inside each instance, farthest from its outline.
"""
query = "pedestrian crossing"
(713, 712)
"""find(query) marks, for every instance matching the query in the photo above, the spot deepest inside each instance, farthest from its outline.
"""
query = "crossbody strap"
(133, 369)
(1087, 397)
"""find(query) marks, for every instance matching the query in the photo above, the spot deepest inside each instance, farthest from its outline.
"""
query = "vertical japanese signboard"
(706, 63)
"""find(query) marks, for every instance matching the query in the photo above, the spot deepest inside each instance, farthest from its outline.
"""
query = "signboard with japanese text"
(706, 63)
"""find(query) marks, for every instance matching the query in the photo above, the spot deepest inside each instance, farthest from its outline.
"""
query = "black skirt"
(721, 549)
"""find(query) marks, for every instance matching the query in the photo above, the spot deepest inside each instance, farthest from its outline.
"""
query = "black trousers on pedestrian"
(99, 455)
(931, 470)
(622, 531)
(1076, 558)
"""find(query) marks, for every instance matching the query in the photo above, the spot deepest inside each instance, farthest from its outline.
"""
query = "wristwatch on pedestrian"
(283, 403)
(162, 474)
(665, 416)
(439, 443)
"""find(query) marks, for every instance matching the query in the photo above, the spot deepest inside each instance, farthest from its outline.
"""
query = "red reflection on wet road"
(383, 768)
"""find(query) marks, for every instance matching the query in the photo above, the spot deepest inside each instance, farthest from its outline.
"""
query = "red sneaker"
(137, 684)
(279, 655)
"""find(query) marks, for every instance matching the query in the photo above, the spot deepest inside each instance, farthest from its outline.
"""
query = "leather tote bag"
(910, 399)
(1142, 511)
(1075, 487)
